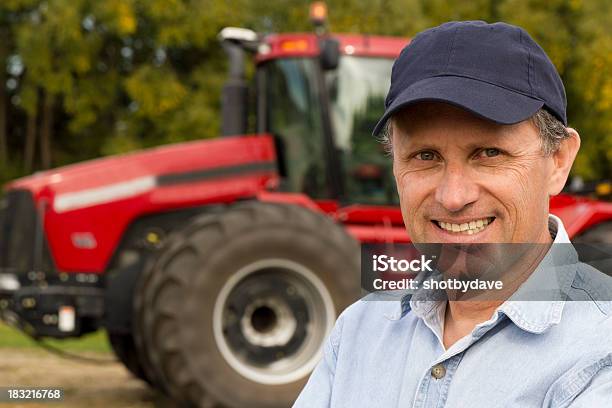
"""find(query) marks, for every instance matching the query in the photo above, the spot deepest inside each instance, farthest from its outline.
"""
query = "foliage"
(105, 77)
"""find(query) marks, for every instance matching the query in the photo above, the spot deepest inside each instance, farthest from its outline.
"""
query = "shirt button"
(438, 371)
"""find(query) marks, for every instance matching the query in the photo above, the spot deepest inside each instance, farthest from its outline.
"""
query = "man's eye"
(490, 152)
(426, 156)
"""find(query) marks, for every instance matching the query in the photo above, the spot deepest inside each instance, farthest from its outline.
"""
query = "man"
(476, 120)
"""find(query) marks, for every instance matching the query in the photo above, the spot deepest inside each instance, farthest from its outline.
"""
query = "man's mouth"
(466, 228)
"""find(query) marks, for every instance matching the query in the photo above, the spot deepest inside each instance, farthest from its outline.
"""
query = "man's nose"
(456, 189)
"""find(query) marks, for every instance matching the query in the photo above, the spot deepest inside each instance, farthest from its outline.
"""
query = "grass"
(94, 342)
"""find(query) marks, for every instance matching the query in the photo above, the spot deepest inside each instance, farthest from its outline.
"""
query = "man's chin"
(469, 261)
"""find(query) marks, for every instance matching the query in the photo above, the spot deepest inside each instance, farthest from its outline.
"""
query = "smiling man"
(475, 119)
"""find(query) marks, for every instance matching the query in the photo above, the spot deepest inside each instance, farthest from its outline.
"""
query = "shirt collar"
(551, 280)
(538, 303)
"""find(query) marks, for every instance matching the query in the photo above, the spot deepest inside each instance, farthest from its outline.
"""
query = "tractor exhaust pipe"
(235, 94)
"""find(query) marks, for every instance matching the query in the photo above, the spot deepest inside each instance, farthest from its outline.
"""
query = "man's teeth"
(470, 228)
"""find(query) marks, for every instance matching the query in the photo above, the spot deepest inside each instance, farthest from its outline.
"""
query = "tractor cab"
(320, 96)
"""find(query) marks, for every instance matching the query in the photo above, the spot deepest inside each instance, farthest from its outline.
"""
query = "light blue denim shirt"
(553, 353)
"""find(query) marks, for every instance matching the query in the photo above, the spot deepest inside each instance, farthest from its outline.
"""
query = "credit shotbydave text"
(446, 284)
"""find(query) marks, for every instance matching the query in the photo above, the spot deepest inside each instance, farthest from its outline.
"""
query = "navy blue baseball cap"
(496, 71)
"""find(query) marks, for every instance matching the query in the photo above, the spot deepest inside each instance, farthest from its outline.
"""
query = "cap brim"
(488, 101)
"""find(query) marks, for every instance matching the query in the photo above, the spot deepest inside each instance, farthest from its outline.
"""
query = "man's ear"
(563, 159)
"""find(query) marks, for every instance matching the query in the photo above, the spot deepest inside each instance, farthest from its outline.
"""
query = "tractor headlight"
(9, 282)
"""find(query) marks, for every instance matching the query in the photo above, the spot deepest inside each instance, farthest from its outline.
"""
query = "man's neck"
(462, 316)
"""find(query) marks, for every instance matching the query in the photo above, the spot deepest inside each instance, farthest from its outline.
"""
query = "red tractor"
(218, 267)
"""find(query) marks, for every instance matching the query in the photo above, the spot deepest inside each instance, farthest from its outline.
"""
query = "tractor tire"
(595, 247)
(142, 348)
(124, 348)
(120, 297)
(236, 309)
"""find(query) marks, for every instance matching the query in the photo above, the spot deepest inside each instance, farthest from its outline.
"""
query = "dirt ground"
(87, 385)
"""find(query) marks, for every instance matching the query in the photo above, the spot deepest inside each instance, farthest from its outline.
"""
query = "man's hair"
(552, 132)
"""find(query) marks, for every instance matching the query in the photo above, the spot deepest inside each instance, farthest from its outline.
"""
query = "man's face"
(462, 179)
